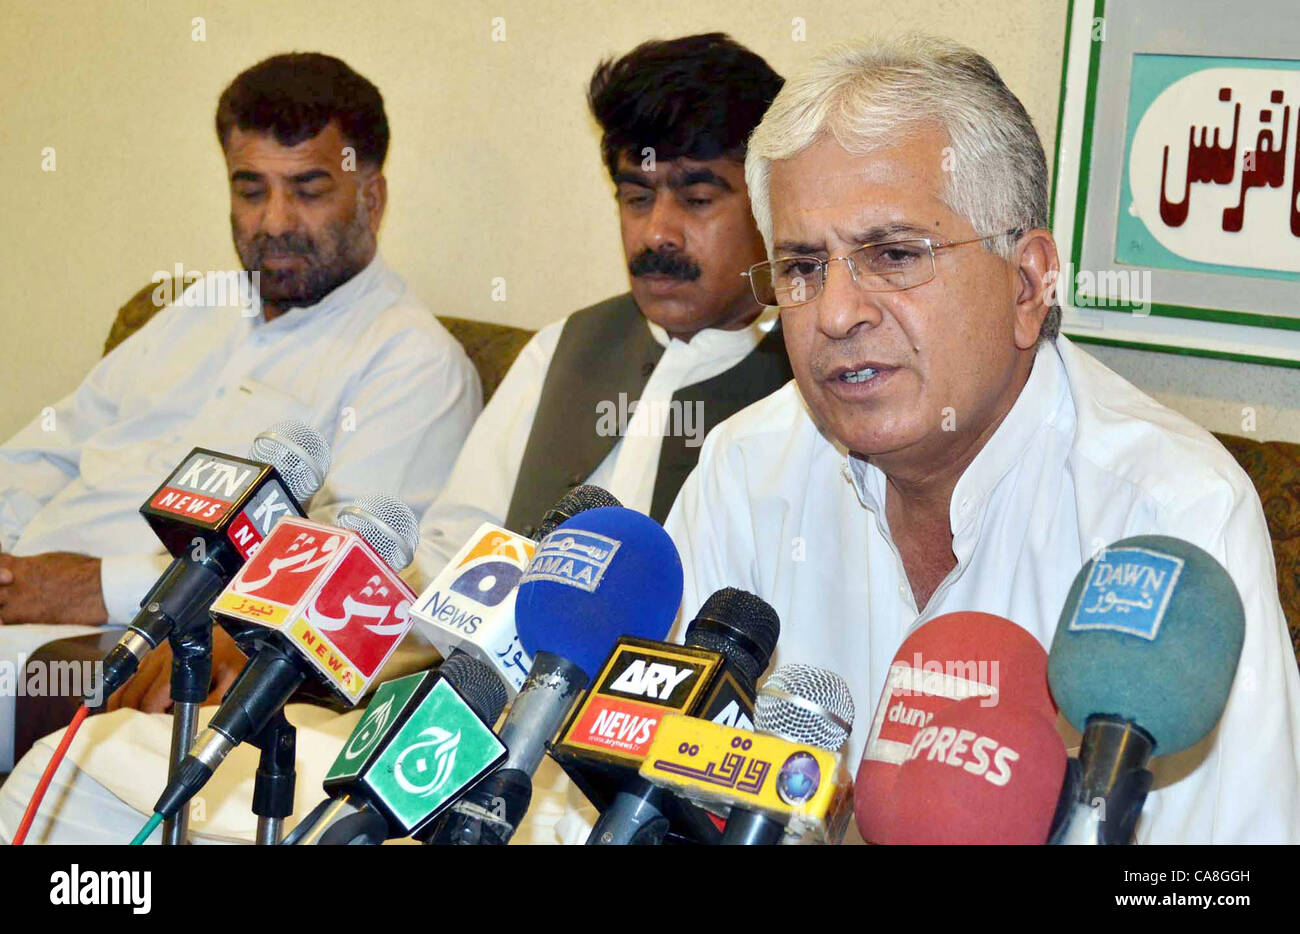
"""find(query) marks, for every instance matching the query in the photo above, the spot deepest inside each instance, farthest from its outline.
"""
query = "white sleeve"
(1252, 788)
(45, 456)
(710, 524)
(483, 478)
(401, 423)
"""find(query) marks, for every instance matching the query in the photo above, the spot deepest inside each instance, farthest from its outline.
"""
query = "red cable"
(32, 806)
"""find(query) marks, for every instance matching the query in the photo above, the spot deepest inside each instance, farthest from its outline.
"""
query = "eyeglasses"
(875, 267)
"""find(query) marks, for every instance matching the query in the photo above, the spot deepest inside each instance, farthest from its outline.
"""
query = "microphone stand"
(191, 678)
(273, 787)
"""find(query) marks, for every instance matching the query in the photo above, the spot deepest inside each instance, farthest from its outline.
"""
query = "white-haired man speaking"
(942, 448)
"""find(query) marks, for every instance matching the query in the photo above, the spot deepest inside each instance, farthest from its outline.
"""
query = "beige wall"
(494, 168)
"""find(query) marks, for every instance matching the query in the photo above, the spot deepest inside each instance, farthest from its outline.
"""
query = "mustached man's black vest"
(605, 350)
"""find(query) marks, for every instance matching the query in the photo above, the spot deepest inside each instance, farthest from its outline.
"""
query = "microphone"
(423, 740)
(978, 775)
(470, 605)
(949, 658)
(1141, 664)
(713, 676)
(604, 573)
(316, 600)
(786, 781)
(212, 513)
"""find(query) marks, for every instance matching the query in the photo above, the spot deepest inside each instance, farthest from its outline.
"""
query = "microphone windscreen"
(605, 573)
(1151, 632)
(979, 775)
(949, 658)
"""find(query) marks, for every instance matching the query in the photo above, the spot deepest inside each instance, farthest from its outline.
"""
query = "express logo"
(435, 755)
(1127, 590)
(798, 778)
(574, 557)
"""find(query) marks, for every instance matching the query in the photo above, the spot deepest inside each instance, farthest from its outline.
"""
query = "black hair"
(697, 97)
(294, 96)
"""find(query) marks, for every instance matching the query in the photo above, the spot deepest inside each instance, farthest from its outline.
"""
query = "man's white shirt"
(1082, 459)
(483, 479)
(369, 366)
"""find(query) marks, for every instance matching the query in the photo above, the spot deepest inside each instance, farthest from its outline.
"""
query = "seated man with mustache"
(943, 447)
(621, 394)
(334, 339)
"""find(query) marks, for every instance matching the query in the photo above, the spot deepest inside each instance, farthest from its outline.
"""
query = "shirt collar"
(716, 341)
(341, 298)
(1037, 406)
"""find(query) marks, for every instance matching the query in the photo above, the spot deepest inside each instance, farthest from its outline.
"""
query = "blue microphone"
(1141, 664)
(605, 573)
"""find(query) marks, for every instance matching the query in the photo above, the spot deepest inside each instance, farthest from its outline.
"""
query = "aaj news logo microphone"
(713, 676)
(1142, 662)
(978, 775)
(315, 601)
(786, 779)
(604, 573)
(422, 740)
(212, 513)
(947, 659)
(470, 605)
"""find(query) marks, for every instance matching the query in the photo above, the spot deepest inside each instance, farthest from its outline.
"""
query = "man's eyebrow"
(310, 175)
(884, 232)
(699, 176)
(624, 176)
(881, 233)
(798, 248)
(244, 175)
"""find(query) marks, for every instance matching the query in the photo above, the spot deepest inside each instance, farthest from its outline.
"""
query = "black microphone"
(423, 740)
(713, 676)
(212, 513)
(316, 601)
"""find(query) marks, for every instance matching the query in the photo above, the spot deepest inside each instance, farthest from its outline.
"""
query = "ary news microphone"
(785, 781)
(470, 605)
(1141, 664)
(712, 676)
(315, 601)
(212, 513)
(602, 574)
(422, 740)
(947, 659)
(978, 775)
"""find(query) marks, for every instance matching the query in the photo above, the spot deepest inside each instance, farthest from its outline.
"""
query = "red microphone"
(950, 658)
(979, 775)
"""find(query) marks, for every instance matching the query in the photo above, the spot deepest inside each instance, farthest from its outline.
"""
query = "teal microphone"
(1143, 658)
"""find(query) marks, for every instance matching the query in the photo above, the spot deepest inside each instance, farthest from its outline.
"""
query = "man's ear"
(1037, 268)
(374, 191)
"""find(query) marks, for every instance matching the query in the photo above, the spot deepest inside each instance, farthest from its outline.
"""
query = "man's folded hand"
(56, 587)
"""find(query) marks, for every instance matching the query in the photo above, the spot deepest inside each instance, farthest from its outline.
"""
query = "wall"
(494, 169)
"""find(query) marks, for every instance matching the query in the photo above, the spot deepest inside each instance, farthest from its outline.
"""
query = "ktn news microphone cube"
(217, 493)
(325, 589)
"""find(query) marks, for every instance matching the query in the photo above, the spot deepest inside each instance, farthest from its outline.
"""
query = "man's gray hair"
(867, 95)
